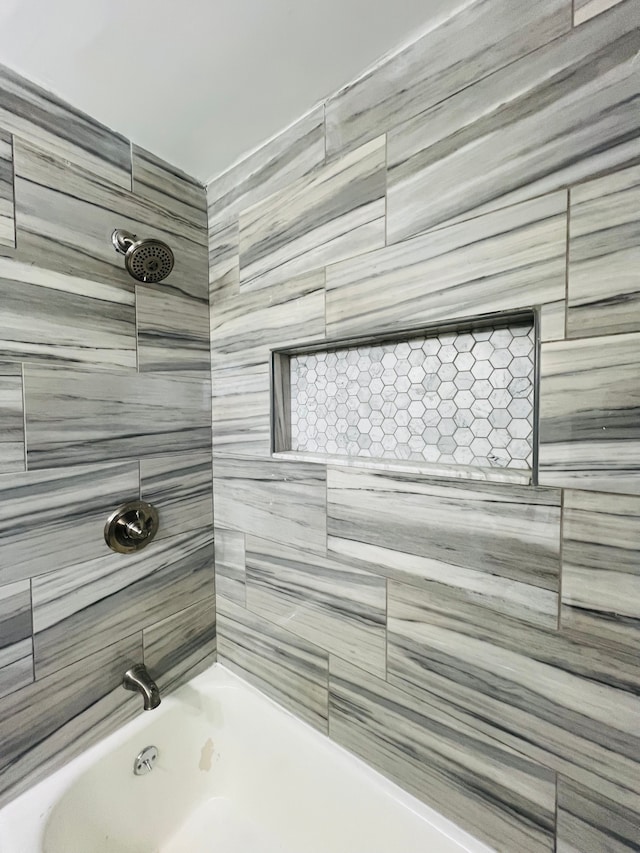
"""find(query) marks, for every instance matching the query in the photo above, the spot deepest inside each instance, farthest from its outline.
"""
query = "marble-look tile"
(55, 518)
(179, 195)
(479, 38)
(241, 409)
(230, 565)
(283, 315)
(281, 501)
(82, 416)
(54, 318)
(572, 706)
(577, 98)
(65, 216)
(287, 668)
(7, 221)
(589, 414)
(335, 213)
(601, 568)
(181, 489)
(290, 155)
(11, 419)
(322, 599)
(490, 790)
(80, 609)
(47, 723)
(16, 648)
(508, 259)
(182, 646)
(36, 115)
(584, 10)
(604, 256)
(173, 331)
(591, 823)
(496, 545)
(224, 262)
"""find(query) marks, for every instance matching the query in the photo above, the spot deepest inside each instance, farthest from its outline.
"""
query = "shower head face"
(149, 260)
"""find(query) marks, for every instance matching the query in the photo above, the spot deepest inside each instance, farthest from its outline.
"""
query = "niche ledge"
(453, 401)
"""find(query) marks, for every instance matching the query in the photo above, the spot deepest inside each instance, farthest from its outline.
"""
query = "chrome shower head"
(147, 260)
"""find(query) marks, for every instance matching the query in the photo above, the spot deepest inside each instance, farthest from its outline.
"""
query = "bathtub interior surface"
(235, 773)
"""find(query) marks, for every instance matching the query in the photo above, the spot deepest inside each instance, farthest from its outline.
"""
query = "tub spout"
(138, 678)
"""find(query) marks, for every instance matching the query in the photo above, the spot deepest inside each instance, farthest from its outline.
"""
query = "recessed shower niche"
(461, 396)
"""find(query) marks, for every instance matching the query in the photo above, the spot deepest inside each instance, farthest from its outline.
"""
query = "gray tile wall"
(477, 642)
(104, 397)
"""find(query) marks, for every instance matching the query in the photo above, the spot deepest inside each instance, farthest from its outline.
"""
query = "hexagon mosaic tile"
(461, 398)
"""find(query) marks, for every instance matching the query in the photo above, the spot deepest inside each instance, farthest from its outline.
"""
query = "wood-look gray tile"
(335, 213)
(287, 668)
(496, 545)
(76, 417)
(477, 39)
(577, 98)
(36, 115)
(589, 414)
(230, 565)
(55, 518)
(573, 706)
(181, 196)
(80, 609)
(590, 823)
(282, 501)
(282, 315)
(508, 259)
(182, 646)
(224, 262)
(491, 790)
(181, 489)
(601, 568)
(322, 599)
(7, 219)
(240, 408)
(173, 331)
(16, 648)
(47, 723)
(55, 318)
(584, 10)
(604, 256)
(65, 216)
(11, 419)
(290, 155)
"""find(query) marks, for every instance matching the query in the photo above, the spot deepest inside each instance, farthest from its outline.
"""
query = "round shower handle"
(131, 527)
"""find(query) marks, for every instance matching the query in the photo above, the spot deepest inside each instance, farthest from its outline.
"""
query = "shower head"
(147, 260)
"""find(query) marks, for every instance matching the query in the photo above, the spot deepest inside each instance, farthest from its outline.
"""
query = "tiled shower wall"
(477, 642)
(104, 396)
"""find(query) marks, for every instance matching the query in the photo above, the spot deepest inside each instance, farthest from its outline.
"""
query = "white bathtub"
(235, 774)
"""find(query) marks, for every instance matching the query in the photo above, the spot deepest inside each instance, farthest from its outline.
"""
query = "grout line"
(137, 324)
(573, 13)
(33, 643)
(386, 189)
(560, 558)
(13, 177)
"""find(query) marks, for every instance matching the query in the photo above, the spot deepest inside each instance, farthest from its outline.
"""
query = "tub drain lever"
(145, 760)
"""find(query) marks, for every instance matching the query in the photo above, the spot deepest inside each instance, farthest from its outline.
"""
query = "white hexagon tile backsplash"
(461, 398)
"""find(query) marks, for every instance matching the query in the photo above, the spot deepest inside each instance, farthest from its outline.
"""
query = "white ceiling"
(202, 82)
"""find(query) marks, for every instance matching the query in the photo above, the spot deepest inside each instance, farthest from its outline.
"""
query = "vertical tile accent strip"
(601, 569)
(7, 219)
(590, 414)
(604, 256)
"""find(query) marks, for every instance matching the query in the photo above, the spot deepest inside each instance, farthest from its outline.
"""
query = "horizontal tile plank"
(180, 487)
(7, 218)
(230, 565)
